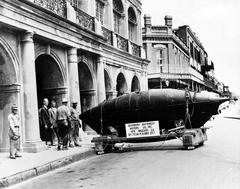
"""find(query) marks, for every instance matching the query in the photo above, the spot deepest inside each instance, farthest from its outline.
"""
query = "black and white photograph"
(120, 94)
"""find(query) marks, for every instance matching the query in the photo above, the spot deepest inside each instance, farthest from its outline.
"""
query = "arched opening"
(87, 90)
(121, 85)
(135, 85)
(132, 25)
(9, 94)
(108, 85)
(100, 11)
(50, 80)
(117, 15)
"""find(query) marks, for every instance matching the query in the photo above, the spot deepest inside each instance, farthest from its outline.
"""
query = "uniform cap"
(74, 102)
(64, 100)
(14, 107)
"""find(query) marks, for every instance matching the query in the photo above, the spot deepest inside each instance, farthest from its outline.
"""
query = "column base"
(4, 149)
(34, 147)
(111, 95)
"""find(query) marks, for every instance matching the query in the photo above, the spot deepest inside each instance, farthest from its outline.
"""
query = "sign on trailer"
(142, 129)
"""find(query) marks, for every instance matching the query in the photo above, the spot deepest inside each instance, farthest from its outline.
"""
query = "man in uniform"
(75, 125)
(63, 123)
(53, 117)
(14, 133)
(46, 128)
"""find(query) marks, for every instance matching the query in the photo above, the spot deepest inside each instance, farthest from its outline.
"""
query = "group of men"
(62, 123)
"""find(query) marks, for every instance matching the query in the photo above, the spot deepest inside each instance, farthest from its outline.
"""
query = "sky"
(217, 25)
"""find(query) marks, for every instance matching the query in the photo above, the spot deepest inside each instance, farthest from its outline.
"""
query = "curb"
(36, 171)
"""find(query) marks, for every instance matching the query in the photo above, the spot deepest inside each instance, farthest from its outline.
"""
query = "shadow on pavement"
(232, 117)
(155, 148)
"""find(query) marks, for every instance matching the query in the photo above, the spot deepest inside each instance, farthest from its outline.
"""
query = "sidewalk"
(14, 171)
(233, 111)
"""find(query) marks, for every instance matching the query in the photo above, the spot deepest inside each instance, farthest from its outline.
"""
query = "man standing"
(75, 125)
(46, 128)
(63, 123)
(14, 133)
(53, 117)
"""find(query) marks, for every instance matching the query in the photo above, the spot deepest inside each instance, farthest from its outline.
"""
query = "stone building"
(178, 59)
(85, 50)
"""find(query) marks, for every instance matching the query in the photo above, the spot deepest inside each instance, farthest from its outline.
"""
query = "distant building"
(177, 57)
(226, 91)
(86, 50)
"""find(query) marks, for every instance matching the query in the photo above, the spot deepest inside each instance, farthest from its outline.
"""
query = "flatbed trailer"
(191, 138)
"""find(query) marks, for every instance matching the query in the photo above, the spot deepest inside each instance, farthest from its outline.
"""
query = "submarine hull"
(163, 105)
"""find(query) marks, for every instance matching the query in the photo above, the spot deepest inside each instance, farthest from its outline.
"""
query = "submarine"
(167, 106)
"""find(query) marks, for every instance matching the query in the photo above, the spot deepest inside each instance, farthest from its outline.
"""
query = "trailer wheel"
(99, 152)
(189, 147)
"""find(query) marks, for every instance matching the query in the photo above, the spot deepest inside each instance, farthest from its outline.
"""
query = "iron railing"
(85, 20)
(108, 34)
(58, 7)
(122, 43)
(136, 49)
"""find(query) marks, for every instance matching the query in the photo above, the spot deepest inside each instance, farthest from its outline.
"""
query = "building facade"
(89, 51)
(178, 59)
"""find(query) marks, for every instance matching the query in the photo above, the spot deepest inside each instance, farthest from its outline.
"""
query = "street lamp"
(167, 83)
(160, 48)
(160, 74)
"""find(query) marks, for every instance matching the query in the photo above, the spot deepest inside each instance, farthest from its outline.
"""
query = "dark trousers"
(55, 129)
(49, 135)
(63, 136)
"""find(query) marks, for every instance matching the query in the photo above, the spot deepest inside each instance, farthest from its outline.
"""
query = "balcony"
(209, 82)
(85, 20)
(208, 67)
(122, 43)
(75, 14)
(136, 50)
(108, 34)
(58, 7)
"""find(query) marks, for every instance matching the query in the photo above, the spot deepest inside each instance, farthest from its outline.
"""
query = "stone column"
(111, 94)
(74, 82)
(73, 76)
(193, 89)
(32, 142)
(125, 22)
(110, 15)
(139, 28)
(100, 80)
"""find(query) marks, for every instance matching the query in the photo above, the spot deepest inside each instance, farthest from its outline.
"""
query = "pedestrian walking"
(14, 132)
(63, 124)
(75, 125)
(46, 128)
(53, 119)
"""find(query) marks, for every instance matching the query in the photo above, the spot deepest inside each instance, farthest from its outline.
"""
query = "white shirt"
(14, 121)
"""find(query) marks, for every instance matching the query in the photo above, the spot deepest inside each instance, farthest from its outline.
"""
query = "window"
(117, 6)
(132, 22)
(131, 32)
(74, 3)
(117, 14)
(99, 10)
(117, 23)
(159, 57)
(191, 50)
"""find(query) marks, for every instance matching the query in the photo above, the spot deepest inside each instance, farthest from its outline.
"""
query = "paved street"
(215, 165)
